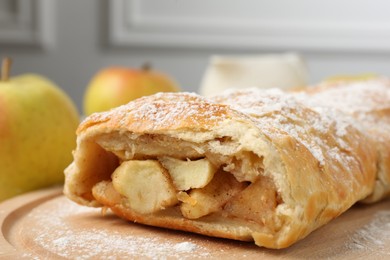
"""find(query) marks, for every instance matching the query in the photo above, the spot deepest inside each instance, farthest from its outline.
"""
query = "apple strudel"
(252, 165)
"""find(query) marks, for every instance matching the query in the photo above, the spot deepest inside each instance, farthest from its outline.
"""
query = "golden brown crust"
(161, 112)
(368, 102)
(209, 226)
(319, 161)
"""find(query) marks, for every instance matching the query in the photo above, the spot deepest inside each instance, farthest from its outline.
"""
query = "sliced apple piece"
(259, 208)
(184, 197)
(189, 174)
(146, 185)
(212, 197)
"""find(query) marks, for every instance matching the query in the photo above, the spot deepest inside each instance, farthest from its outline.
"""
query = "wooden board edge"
(12, 208)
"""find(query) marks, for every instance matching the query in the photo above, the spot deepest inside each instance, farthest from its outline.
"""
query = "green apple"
(115, 86)
(37, 133)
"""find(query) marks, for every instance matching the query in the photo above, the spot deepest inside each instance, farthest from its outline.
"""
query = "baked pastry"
(368, 102)
(251, 165)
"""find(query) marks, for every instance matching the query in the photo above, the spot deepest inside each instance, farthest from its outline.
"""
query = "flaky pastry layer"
(261, 165)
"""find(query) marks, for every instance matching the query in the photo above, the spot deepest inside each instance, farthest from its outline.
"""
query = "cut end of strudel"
(248, 165)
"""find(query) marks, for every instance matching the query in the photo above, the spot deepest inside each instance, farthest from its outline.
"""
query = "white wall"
(68, 41)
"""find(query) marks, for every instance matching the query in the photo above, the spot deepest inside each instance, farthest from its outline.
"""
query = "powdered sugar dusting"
(159, 111)
(363, 100)
(185, 247)
(372, 237)
(355, 97)
(274, 110)
(55, 233)
(88, 244)
(163, 110)
(164, 114)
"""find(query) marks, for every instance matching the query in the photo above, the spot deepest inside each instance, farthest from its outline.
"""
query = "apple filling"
(197, 187)
(196, 182)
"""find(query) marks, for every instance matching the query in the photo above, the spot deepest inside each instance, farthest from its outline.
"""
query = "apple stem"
(146, 66)
(5, 68)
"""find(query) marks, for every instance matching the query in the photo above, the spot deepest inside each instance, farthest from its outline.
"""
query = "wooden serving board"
(46, 225)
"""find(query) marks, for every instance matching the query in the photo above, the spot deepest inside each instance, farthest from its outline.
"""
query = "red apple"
(115, 86)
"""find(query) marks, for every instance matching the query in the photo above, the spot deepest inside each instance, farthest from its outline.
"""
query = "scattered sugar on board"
(88, 244)
(94, 243)
(29, 256)
(373, 237)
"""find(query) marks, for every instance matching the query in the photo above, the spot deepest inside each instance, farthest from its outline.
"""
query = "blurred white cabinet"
(26, 22)
(333, 25)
